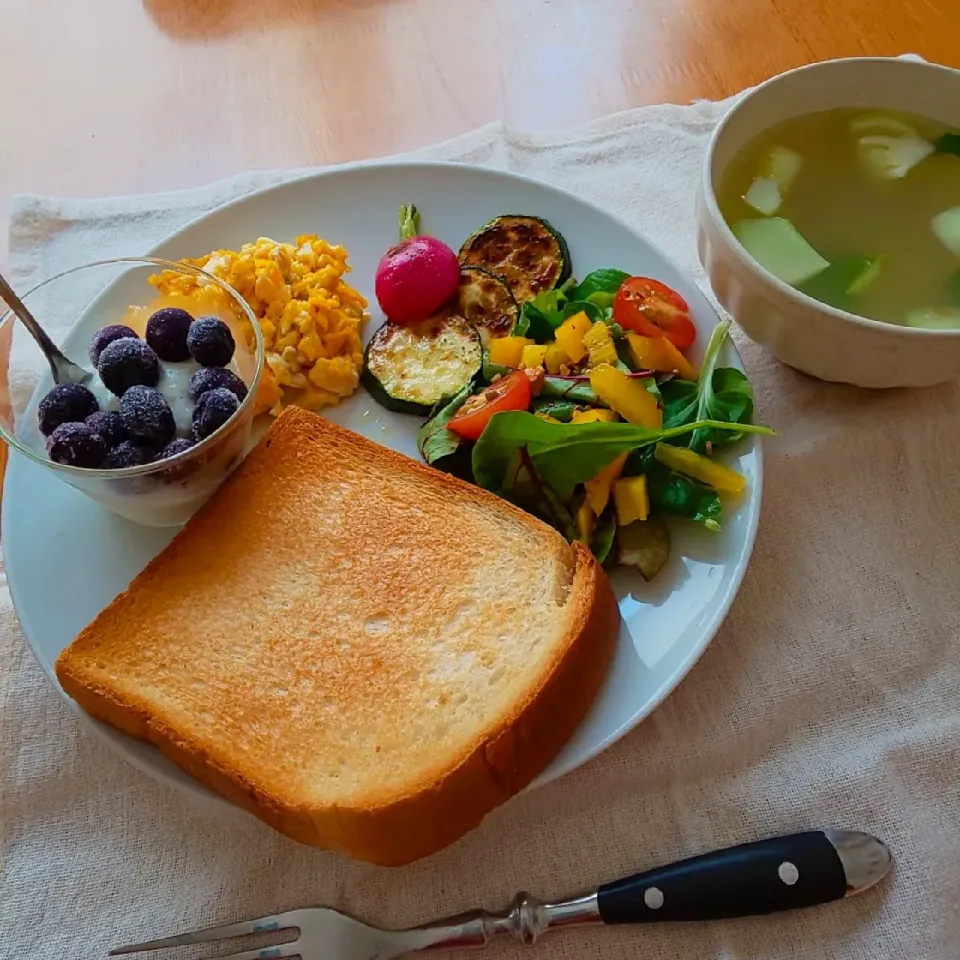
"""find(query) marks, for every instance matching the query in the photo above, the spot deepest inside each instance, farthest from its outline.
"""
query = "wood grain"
(115, 96)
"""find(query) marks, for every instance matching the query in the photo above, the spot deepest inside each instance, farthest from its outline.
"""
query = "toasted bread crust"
(440, 809)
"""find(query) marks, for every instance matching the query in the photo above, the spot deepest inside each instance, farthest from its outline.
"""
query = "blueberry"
(147, 416)
(109, 425)
(209, 378)
(65, 403)
(210, 342)
(127, 363)
(105, 336)
(213, 410)
(175, 447)
(76, 445)
(128, 454)
(167, 333)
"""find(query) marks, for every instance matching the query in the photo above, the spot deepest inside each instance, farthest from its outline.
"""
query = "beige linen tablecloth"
(829, 697)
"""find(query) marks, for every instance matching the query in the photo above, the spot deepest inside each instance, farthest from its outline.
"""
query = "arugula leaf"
(565, 454)
(434, 440)
(949, 143)
(721, 394)
(605, 281)
(603, 536)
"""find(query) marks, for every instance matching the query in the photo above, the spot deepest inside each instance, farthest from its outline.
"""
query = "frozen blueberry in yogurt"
(147, 416)
(209, 378)
(105, 336)
(210, 342)
(167, 331)
(128, 363)
(213, 410)
(76, 445)
(109, 425)
(65, 403)
(127, 454)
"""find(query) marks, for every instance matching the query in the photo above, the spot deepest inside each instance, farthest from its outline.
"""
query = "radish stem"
(409, 221)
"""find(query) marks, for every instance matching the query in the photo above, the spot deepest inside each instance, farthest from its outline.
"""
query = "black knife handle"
(781, 873)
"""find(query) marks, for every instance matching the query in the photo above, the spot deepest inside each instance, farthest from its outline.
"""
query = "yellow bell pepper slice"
(628, 396)
(631, 500)
(599, 344)
(508, 351)
(593, 416)
(687, 461)
(598, 489)
(555, 358)
(585, 522)
(658, 353)
(570, 336)
(532, 355)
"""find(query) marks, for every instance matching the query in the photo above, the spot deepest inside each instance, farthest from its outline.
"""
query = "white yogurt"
(174, 384)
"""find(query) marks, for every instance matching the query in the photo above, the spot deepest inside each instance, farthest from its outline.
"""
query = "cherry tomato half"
(653, 309)
(511, 392)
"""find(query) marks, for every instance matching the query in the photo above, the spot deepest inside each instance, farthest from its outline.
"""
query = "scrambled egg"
(311, 319)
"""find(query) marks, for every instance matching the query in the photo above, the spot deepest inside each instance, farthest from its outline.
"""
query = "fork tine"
(267, 953)
(263, 925)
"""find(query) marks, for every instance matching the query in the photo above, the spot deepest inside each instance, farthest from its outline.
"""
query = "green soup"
(857, 208)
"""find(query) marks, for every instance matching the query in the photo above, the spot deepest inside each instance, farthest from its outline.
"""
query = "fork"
(780, 873)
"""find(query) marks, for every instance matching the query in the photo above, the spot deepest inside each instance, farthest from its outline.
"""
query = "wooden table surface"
(117, 96)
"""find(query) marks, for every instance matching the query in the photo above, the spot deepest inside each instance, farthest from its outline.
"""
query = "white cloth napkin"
(829, 697)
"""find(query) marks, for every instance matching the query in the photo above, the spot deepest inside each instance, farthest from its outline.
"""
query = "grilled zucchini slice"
(486, 301)
(410, 369)
(526, 251)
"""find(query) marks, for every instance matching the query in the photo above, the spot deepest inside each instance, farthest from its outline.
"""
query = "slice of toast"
(364, 652)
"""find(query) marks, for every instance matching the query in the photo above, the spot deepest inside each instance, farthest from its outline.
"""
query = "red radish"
(416, 277)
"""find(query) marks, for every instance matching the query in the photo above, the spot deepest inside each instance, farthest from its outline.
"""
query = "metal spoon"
(64, 370)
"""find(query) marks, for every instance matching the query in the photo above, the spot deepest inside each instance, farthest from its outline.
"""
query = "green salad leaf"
(435, 442)
(722, 394)
(564, 455)
(601, 543)
(605, 283)
(540, 317)
(949, 143)
(561, 410)
(675, 493)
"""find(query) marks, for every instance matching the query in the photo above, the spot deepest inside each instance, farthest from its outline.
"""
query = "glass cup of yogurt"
(174, 387)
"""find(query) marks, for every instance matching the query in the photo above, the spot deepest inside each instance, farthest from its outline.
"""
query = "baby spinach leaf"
(572, 307)
(604, 281)
(434, 440)
(674, 493)
(949, 143)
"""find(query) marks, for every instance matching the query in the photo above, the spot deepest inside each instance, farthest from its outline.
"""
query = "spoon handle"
(49, 348)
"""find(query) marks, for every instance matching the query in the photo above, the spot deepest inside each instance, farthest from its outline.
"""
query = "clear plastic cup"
(165, 492)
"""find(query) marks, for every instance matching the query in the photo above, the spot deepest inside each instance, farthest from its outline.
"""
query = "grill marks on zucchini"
(410, 369)
(525, 251)
(486, 301)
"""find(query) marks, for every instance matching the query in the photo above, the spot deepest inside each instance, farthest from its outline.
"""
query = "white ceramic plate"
(67, 557)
